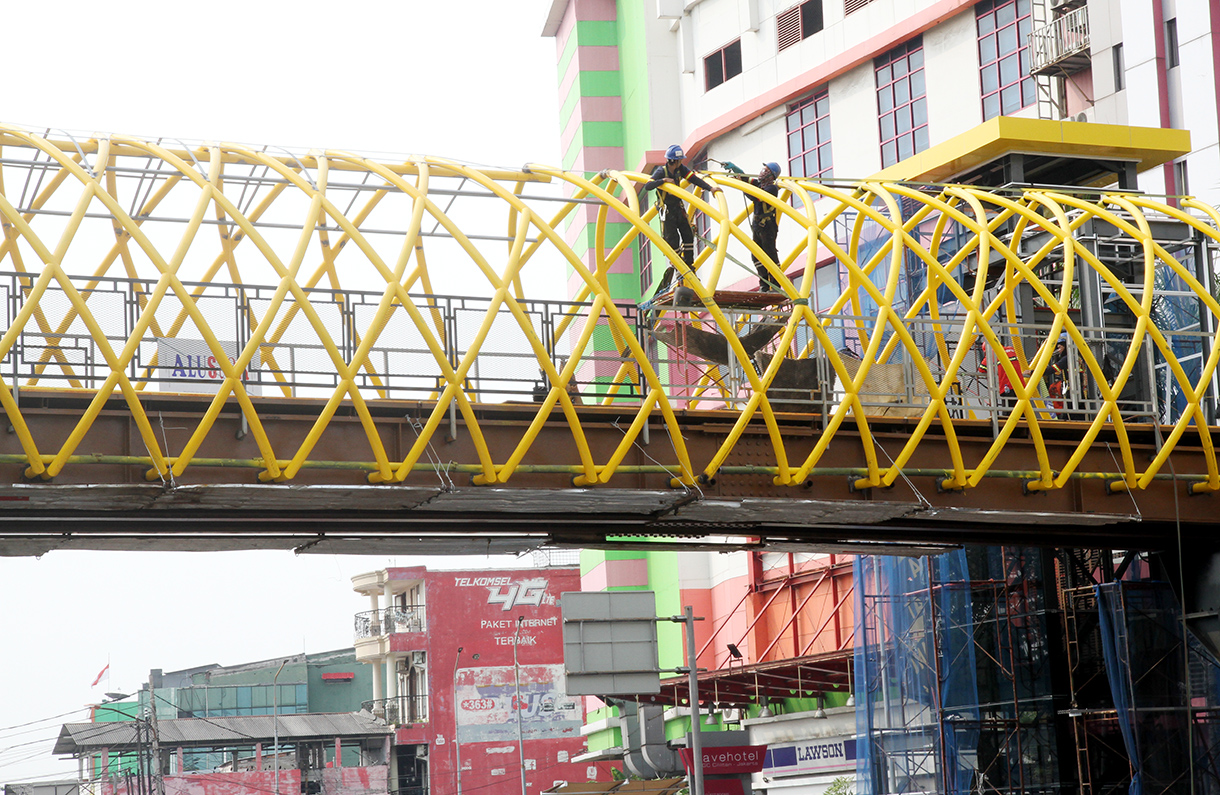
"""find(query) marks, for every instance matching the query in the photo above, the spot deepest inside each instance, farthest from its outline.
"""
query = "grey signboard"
(610, 643)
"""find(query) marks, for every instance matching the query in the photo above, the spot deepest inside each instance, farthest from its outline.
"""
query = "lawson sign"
(190, 366)
(823, 755)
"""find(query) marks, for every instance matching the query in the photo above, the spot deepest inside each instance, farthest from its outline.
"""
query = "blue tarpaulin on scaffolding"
(952, 681)
(918, 708)
(1165, 691)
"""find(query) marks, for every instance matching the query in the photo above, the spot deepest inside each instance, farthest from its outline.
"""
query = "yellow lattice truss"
(177, 225)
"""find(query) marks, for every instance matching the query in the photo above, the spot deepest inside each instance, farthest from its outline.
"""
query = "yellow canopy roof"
(955, 158)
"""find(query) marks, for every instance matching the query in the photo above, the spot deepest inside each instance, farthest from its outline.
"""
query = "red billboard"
(477, 696)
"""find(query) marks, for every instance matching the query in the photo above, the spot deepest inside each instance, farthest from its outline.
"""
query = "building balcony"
(391, 620)
(1062, 46)
(399, 710)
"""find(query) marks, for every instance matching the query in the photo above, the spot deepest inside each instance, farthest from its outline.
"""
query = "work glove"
(732, 167)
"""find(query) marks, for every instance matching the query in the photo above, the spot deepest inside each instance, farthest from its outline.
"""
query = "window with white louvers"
(798, 23)
(788, 28)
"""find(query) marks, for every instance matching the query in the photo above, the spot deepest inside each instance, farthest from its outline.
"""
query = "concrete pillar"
(391, 676)
(388, 625)
(338, 752)
(258, 757)
(378, 690)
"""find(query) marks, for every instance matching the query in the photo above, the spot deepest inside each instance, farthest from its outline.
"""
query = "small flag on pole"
(100, 674)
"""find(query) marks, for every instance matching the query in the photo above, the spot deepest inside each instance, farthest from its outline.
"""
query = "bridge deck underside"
(102, 500)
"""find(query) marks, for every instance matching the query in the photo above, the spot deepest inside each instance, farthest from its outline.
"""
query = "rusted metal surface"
(105, 502)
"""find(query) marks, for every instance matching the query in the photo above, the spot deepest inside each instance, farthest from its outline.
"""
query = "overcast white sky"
(473, 80)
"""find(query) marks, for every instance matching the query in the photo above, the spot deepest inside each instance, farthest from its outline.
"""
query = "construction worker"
(764, 221)
(675, 226)
(1008, 395)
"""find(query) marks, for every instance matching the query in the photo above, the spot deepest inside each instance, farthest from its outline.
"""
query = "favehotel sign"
(728, 760)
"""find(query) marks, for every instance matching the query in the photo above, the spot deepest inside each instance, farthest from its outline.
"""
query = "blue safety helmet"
(773, 168)
(674, 153)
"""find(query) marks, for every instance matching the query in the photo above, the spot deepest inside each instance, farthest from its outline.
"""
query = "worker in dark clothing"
(1056, 378)
(675, 226)
(764, 221)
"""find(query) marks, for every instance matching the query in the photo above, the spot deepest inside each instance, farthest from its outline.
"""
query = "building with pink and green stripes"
(836, 89)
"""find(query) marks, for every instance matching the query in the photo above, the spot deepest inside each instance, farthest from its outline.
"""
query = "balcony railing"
(400, 710)
(1062, 45)
(372, 623)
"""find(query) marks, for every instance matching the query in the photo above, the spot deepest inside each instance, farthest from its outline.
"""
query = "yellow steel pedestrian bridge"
(216, 345)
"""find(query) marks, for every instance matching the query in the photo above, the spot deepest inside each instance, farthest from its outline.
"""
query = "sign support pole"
(692, 671)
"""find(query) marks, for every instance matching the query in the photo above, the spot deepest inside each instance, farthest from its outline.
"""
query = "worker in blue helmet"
(675, 226)
(764, 221)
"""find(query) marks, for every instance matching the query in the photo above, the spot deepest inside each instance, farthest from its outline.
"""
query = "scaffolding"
(1144, 713)
(965, 685)
(953, 673)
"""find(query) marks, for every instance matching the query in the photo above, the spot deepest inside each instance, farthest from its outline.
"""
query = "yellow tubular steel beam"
(348, 372)
(53, 263)
(960, 239)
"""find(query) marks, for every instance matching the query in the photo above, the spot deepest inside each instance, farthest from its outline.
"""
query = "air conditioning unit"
(419, 659)
(421, 752)
(1086, 115)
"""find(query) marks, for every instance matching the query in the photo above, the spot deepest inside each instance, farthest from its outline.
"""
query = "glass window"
(901, 110)
(1003, 31)
(713, 69)
(732, 60)
(811, 18)
(1171, 43)
(722, 65)
(812, 119)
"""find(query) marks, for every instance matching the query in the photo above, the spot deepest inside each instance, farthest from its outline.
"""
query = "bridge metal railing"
(298, 363)
(408, 370)
(127, 270)
(1066, 388)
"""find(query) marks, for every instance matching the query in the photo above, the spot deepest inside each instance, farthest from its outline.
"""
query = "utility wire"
(42, 720)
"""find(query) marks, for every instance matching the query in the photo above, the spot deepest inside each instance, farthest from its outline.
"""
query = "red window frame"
(720, 63)
(1003, 41)
(902, 105)
(809, 137)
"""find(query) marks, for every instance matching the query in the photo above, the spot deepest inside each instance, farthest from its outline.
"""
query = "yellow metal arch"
(315, 218)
